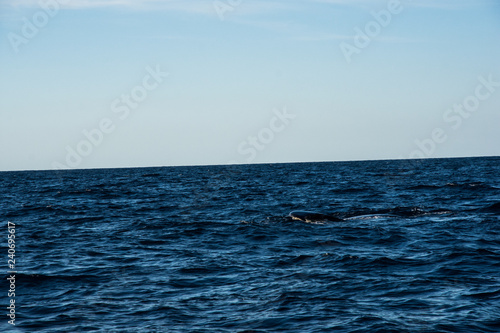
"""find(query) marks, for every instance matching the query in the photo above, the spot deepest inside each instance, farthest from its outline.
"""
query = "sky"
(132, 83)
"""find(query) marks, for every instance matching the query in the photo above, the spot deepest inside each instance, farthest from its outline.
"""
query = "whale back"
(308, 216)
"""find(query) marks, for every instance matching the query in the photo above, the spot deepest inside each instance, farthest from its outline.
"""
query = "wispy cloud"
(321, 37)
(397, 40)
(451, 4)
(204, 6)
(189, 6)
(278, 26)
(356, 3)
(441, 4)
(337, 37)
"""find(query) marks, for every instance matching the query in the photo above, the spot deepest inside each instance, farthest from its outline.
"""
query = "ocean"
(212, 248)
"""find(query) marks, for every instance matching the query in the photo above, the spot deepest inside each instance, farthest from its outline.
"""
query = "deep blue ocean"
(211, 248)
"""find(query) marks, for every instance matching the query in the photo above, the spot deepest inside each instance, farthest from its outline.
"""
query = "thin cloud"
(189, 6)
(365, 4)
(274, 25)
(322, 38)
(337, 37)
(450, 4)
(397, 40)
(431, 4)
(193, 6)
(204, 6)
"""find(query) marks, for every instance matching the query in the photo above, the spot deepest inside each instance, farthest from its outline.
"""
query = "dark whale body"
(306, 216)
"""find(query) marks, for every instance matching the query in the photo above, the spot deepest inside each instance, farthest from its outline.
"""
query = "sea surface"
(211, 249)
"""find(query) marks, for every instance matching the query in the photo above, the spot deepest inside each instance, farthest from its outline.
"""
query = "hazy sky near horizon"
(124, 83)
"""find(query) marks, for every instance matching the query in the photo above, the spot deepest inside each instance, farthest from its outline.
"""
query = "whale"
(307, 216)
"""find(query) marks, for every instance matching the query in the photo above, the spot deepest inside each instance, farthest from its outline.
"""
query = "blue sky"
(246, 81)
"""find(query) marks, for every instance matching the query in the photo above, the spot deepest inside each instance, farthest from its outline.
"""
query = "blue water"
(211, 249)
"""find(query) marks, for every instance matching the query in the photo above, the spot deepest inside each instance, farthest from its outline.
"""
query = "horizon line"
(247, 164)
